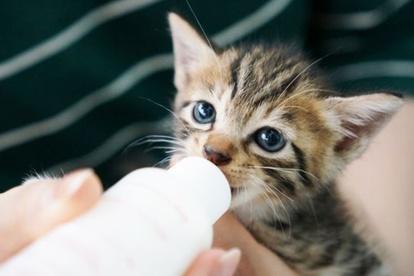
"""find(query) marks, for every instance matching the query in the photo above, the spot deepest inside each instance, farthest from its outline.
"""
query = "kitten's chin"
(242, 196)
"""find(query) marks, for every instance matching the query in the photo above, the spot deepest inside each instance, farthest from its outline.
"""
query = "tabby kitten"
(266, 118)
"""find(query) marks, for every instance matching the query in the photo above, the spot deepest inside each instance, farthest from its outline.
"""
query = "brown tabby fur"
(287, 199)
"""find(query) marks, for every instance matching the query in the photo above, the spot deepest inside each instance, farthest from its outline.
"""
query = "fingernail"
(228, 262)
(72, 182)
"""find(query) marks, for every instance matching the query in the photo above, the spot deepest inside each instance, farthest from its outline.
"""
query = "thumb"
(215, 262)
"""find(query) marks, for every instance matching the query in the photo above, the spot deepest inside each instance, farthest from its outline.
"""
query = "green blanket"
(78, 78)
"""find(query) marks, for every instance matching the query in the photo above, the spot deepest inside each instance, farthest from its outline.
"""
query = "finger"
(215, 262)
(229, 232)
(32, 209)
(256, 259)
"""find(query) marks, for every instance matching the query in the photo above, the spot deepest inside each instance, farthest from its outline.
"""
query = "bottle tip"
(207, 182)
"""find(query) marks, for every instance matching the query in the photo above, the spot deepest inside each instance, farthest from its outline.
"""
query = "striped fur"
(287, 199)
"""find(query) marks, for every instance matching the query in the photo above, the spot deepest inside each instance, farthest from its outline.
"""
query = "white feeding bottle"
(153, 222)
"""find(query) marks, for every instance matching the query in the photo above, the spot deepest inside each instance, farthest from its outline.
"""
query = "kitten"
(265, 116)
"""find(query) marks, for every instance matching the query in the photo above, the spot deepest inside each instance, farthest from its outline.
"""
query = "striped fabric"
(78, 79)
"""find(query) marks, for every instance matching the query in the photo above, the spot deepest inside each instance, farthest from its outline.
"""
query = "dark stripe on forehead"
(234, 70)
(266, 98)
(278, 91)
(300, 158)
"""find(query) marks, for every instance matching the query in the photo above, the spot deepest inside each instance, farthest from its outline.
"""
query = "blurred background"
(78, 79)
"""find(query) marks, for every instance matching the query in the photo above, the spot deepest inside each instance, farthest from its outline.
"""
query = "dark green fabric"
(99, 57)
(390, 38)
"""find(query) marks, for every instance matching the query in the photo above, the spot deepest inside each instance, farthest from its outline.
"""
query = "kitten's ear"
(359, 119)
(190, 50)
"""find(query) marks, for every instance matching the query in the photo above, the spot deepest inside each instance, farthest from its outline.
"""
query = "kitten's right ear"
(190, 50)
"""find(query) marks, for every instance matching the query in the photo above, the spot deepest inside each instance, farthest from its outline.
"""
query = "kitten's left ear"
(190, 50)
(359, 119)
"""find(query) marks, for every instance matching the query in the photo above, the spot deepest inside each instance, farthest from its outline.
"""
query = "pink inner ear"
(347, 142)
(360, 131)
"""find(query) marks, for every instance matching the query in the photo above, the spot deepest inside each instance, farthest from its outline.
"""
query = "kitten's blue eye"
(204, 112)
(269, 139)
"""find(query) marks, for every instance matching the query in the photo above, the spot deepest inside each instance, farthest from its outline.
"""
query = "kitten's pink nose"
(219, 149)
(215, 156)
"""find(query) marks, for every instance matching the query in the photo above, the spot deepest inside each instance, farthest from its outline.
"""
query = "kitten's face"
(262, 133)
(264, 117)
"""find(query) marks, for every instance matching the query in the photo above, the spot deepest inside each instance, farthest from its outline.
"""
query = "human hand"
(38, 205)
(379, 187)
(256, 259)
(32, 209)
(215, 262)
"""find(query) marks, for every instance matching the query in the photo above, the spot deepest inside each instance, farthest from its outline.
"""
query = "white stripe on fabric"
(115, 89)
(362, 20)
(112, 145)
(70, 35)
(97, 156)
(375, 69)
(79, 109)
(251, 22)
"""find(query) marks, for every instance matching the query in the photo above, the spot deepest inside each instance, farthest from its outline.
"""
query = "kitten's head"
(264, 116)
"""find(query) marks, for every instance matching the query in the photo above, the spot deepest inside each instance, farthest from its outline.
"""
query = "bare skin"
(30, 210)
(256, 259)
(378, 187)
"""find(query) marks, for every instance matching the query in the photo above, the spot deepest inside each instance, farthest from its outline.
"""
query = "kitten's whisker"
(307, 91)
(167, 109)
(312, 207)
(298, 107)
(257, 182)
(162, 136)
(174, 150)
(147, 137)
(164, 160)
(163, 147)
(288, 170)
(300, 74)
(136, 143)
(273, 187)
(151, 137)
(199, 24)
(269, 202)
(266, 190)
(251, 201)
(216, 59)
(304, 92)
(152, 141)
(270, 190)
